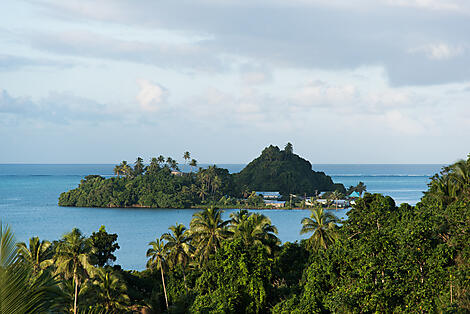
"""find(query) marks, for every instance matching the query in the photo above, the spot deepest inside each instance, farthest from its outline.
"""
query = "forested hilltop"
(284, 171)
(383, 259)
(162, 185)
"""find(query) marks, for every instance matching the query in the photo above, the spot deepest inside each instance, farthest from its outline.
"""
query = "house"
(176, 173)
(269, 195)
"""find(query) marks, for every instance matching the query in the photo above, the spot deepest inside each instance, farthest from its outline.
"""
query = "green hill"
(283, 171)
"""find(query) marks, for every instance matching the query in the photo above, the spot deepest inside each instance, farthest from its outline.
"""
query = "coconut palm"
(208, 231)
(187, 157)
(336, 195)
(19, 291)
(360, 188)
(323, 226)
(254, 229)
(179, 248)
(216, 184)
(117, 170)
(201, 191)
(38, 255)
(154, 166)
(161, 159)
(461, 175)
(169, 160)
(108, 291)
(139, 167)
(125, 169)
(174, 165)
(157, 255)
(72, 259)
(192, 164)
(238, 218)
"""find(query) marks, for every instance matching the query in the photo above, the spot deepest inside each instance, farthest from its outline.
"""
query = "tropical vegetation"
(383, 258)
(160, 184)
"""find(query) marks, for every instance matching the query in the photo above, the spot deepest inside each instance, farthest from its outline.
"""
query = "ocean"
(29, 194)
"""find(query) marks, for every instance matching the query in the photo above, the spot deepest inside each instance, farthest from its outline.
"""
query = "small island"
(161, 184)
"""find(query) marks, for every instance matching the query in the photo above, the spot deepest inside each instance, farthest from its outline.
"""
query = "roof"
(268, 194)
(354, 194)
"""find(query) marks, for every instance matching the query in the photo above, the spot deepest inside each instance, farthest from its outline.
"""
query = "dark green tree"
(103, 246)
(139, 167)
(323, 226)
(208, 230)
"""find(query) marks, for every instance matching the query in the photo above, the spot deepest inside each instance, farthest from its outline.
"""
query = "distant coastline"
(161, 184)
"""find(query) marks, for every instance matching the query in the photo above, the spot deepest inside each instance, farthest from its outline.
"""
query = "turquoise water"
(29, 193)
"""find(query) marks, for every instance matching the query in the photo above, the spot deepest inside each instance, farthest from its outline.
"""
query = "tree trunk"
(164, 288)
(184, 279)
(76, 295)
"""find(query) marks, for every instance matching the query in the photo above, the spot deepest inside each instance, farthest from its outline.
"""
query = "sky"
(366, 81)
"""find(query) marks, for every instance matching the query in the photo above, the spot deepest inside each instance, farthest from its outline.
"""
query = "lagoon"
(29, 194)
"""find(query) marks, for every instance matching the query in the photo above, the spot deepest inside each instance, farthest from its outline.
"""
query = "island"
(161, 184)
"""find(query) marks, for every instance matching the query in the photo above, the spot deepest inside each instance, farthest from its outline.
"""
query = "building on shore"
(269, 195)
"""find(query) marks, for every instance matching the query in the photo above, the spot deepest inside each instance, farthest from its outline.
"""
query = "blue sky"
(367, 81)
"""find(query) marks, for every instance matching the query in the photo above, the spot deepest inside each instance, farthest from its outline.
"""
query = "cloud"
(255, 74)
(439, 51)
(320, 94)
(151, 96)
(450, 5)
(304, 35)
(254, 78)
(403, 124)
(94, 45)
(56, 108)
(11, 63)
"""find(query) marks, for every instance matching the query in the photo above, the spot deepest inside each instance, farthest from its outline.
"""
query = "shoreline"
(201, 207)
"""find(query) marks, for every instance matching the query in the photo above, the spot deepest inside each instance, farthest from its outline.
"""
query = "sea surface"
(29, 194)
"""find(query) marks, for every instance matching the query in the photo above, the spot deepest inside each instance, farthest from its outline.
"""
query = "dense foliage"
(383, 259)
(283, 171)
(161, 185)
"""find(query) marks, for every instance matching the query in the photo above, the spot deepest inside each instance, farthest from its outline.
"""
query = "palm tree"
(72, 259)
(169, 160)
(238, 218)
(208, 231)
(109, 292)
(323, 226)
(461, 175)
(192, 164)
(174, 165)
(38, 255)
(125, 168)
(19, 291)
(139, 167)
(336, 195)
(161, 159)
(216, 183)
(187, 157)
(178, 245)
(361, 188)
(157, 255)
(254, 229)
(154, 166)
(202, 192)
(117, 170)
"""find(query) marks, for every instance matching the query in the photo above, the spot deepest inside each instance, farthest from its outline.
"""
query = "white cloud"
(151, 96)
(403, 124)
(439, 51)
(318, 93)
(452, 5)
